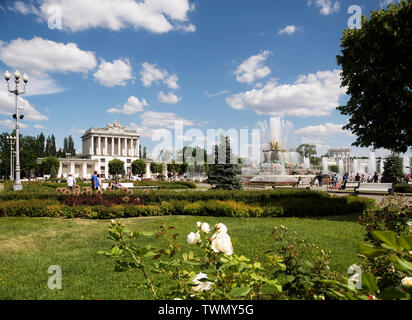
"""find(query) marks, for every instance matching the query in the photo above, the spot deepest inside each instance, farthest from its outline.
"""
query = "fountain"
(306, 163)
(280, 160)
(341, 168)
(406, 164)
(325, 165)
(372, 163)
(355, 167)
(381, 167)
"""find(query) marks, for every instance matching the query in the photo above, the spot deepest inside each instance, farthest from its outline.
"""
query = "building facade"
(101, 145)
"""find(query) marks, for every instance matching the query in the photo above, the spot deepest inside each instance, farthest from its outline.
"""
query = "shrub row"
(403, 188)
(216, 208)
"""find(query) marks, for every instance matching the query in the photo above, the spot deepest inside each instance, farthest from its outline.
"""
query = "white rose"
(113, 221)
(407, 281)
(193, 238)
(222, 243)
(221, 228)
(205, 227)
(198, 224)
(201, 285)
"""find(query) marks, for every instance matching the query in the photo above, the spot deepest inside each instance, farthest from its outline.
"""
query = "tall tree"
(139, 167)
(41, 140)
(392, 169)
(223, 174)
(376, 66)
(116, 167)
(144, 153)
(52, 146)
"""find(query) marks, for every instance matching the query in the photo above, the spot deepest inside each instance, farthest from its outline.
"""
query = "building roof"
(112, 129)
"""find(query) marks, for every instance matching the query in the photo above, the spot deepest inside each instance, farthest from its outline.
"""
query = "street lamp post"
(11, 140)
(7, 76)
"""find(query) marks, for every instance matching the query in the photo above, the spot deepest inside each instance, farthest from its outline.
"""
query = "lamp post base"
(17, 187)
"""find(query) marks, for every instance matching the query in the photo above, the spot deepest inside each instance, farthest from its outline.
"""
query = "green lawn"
(28, 246)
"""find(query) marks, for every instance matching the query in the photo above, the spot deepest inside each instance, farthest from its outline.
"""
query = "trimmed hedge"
(216, 208)
(403, 188)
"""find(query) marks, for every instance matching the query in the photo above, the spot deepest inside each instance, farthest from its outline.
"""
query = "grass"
(28, 246)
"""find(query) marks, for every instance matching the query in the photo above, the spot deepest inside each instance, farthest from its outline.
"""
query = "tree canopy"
(139, 167)
(116, 167)
(376, 63)
(306, 150)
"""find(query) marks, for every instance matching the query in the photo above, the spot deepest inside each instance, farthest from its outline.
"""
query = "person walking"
(99, 182)
(71, 181)
(375, 177)
(95, 181)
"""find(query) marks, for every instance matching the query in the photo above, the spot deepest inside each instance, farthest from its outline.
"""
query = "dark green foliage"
(156, 167)
(48, 163)
(223, 174)
(376, 66)
(139, 167)
(393, 170)
(116, 167)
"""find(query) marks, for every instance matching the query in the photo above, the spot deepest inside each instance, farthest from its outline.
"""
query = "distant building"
(106, 144)
(99, 146)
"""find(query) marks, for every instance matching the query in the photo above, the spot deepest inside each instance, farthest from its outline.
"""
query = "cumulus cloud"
(132, 106)
(322, 130)
(163, 119)
(114, 73)
(39, 57)
(288, 30)
(168, 98)
(252, 68)
(315, 94)
(8, 107)
(171, 82)
(327, 7)
(157, 16)
(151, 73)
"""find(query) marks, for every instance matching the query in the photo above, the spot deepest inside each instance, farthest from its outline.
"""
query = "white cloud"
(151, 73)
(385, 3)
(322, 130)
(288, 30)
(252, 68)
(81, 131)
(39, 126)
(10, 124)
(114, 73)
(171, 82)
(311, 95)
(211, 95)
(327, 7)
(146, 132)
(157, 16)
(163, 119)
(39, 57)
(132, 106)
(169, 98)
(8, 107)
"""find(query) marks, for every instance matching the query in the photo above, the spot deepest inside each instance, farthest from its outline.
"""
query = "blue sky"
(214, 64)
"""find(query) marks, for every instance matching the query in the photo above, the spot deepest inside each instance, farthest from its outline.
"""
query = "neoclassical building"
(102, 145)
(99, 146)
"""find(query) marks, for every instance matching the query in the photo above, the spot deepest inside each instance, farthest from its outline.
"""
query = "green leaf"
(368, 281)
(402, 264)
(392, 293)
(239, 291)
(406, 242)
(387, 237)
(370, 251)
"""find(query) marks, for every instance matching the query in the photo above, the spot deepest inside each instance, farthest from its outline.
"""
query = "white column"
(92, 151)
(137, 147)
(59, 173)
(98, 146)
(72, 171)
(106, 152)
(84, 170)
(125, 147)
(112, 146)
(148, 174)
(118, 147)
